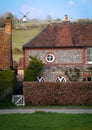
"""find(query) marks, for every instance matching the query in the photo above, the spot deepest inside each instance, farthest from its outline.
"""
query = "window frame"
(50, 57)
(63, 79)
(40, 79)
(89, 55)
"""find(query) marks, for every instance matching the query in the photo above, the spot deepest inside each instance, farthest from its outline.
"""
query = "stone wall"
(62, 56)
(69, 93)
(65, 59)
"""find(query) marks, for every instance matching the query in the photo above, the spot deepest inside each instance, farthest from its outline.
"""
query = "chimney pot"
(66, 18)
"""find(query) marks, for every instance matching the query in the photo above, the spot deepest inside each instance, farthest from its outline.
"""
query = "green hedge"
(7, 83)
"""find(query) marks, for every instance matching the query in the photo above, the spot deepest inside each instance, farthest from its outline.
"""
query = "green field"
(46, 121)
(20, 37)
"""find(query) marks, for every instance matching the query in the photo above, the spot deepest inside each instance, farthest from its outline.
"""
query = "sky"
(75, 9)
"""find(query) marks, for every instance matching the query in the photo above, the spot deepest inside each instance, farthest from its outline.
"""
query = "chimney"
(8, 25)
(66, 18)
(8, 30)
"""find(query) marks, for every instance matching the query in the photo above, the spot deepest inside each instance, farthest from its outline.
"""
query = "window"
(40, 79)
(89, 55)
(50, 58)
(60, 79)
(89, 79)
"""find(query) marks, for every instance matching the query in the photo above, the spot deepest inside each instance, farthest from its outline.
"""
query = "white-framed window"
(60, 79)
(50, 58)
(89, 55)
(89, 78)
(40, 79)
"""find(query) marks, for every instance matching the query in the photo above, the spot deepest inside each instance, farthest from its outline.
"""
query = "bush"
(34, 68)
(7, 83)
(17, 51)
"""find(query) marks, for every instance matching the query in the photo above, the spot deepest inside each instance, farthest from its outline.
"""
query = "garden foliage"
(33, 70)
(7, 83)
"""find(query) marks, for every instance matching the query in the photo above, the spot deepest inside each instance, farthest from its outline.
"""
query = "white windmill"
(24, 18)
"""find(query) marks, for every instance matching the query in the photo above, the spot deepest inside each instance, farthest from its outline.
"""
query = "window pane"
(50, 58)
(88, 78)
(88, 51)
(89, 54)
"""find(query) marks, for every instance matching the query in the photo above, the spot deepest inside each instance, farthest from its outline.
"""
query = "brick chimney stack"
(8, 25)
(66, 18)
(8, 37)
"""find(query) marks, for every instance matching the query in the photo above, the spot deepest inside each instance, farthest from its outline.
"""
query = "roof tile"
(63, 35)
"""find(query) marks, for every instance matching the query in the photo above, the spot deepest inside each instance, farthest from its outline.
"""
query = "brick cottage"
(6, 45)
(65, 50)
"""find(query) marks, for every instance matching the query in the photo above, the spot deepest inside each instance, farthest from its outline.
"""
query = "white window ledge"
(89, 62)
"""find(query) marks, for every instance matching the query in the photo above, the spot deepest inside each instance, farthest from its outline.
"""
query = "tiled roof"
(63, 35)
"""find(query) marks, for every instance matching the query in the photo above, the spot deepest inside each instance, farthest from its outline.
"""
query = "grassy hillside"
(20, 37)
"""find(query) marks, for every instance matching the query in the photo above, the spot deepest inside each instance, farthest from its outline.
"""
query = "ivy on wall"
(73, 74)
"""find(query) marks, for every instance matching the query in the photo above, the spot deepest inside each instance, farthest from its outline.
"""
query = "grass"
(59, 107)
(16, 57)
(46, 121)
(20, 37)
(12, 105)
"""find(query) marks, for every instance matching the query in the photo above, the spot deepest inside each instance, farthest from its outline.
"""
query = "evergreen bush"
(7, 83)
(34, 68)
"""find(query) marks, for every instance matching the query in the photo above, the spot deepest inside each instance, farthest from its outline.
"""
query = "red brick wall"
(70, 93)
(5, 46)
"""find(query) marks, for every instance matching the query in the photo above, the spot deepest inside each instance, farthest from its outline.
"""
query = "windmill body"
(24, 18)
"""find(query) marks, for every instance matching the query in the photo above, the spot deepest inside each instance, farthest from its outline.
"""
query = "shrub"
(17, 51)
(34, 68)
(7, 83)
